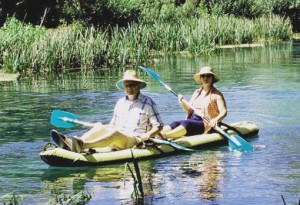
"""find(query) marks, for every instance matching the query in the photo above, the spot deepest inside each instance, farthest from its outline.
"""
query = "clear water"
(260, 85)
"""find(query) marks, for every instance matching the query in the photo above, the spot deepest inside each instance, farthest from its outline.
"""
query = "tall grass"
(28, 49)
(273, 28)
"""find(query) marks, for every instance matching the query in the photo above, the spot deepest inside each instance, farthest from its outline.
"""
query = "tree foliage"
(105, 13)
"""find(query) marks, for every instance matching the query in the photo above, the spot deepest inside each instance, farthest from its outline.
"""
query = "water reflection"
(194, 177)
(112, 183)
(207, 174)
(78, 177)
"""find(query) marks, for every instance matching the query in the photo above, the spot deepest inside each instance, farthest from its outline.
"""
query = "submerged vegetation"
(160, 28)
(83, 197)
(11, 198)
(80, 198)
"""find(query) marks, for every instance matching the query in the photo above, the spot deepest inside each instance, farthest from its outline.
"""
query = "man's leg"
(101, 137)
(96, 132)
(111, 137)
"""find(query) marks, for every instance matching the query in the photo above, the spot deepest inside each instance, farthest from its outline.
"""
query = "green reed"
(14, 39)
(273, 28)
(11, 198)
(28, 49)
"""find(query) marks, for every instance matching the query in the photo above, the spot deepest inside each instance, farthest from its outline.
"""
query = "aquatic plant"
(80, 198)
(11, 198)
(34, 50)
(138, 192)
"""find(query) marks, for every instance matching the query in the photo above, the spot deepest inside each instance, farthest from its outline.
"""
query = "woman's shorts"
(193, 126)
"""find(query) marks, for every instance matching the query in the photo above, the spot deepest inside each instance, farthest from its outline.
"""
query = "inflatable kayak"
(56, 156)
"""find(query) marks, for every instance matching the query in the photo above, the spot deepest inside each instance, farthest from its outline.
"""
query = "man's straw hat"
(130, 75)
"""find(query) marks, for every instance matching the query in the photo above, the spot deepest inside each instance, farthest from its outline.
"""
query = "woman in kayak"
(208, 103)
(135, 119)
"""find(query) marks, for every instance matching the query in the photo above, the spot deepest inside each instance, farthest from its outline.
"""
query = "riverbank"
(8, 77)
(35, 50)
(296, 36)
(243, 45)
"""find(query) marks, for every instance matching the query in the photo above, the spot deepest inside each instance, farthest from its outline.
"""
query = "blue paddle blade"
(156, 77)
(172, 144)
(177, 146)
(243, 146)
(62, 119)
(120, 85)
(152, 74)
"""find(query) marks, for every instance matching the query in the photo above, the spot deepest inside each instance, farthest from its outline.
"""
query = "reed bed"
(28, 49)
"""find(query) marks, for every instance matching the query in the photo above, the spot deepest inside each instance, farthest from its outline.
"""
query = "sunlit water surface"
(261, 85)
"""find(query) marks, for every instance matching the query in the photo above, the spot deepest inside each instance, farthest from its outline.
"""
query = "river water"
(261, 85)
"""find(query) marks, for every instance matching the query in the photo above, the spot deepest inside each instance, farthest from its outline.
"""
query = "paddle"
(172, 144)
(235, 142)
(65, 119)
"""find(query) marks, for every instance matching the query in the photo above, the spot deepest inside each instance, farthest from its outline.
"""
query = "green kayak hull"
(56, 156)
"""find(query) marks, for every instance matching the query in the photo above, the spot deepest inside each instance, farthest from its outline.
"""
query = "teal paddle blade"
(242, 146)
(152, 74)
(156, 77)
(62, 119)
(172, 144)
(120, 84)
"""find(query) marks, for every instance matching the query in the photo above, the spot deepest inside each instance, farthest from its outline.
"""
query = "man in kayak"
(135, 119)
(208, 102)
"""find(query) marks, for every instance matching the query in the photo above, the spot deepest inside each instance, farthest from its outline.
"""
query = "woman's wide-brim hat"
(205, 70)
(130, 75)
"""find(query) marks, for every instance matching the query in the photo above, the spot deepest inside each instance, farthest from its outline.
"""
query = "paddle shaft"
(66, 119)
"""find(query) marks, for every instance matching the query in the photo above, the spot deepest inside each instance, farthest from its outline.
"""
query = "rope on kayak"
(231, 128)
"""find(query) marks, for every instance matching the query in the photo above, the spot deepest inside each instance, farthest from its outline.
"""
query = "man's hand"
(145, 136)
(180, 98)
